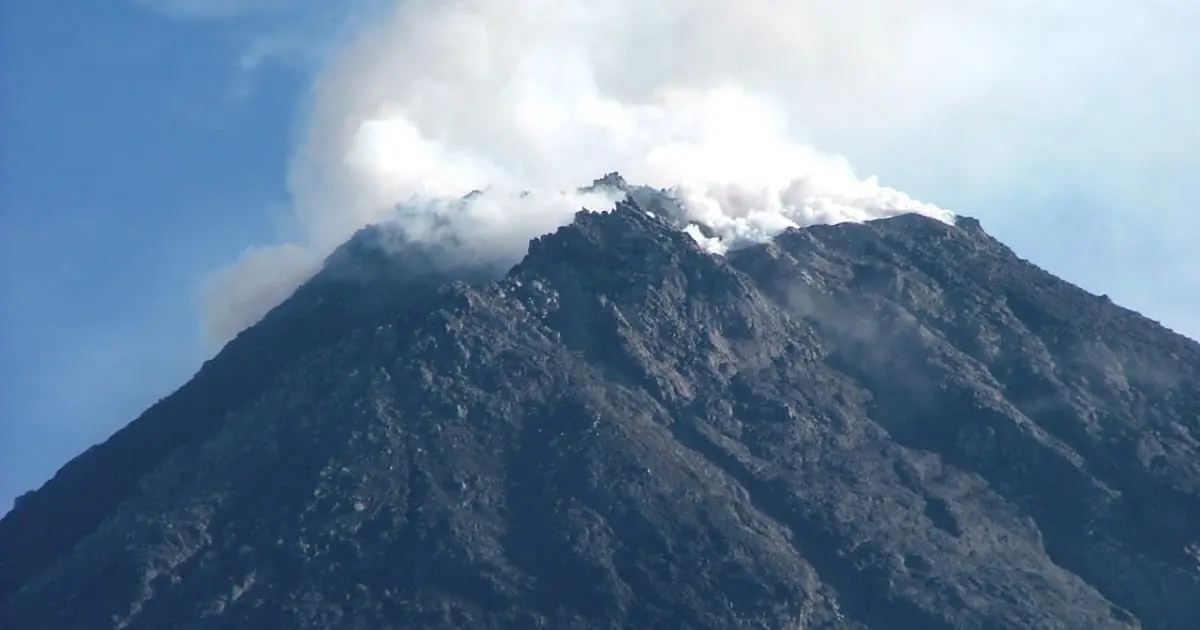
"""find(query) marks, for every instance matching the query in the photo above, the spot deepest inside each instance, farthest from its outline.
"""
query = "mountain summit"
(891, 424)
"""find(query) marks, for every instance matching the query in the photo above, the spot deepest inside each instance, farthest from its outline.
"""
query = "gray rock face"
(897, 424)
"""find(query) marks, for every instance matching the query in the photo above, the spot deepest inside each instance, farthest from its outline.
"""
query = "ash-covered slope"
(897, 424)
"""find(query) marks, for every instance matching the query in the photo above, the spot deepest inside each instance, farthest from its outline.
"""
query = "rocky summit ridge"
(892, 424)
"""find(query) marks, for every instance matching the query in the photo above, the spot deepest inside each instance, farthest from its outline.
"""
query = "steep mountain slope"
(897, 424)
(346, 295)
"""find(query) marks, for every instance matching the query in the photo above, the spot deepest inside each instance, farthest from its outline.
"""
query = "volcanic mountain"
(890, 424)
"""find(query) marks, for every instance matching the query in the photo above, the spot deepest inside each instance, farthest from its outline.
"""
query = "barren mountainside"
(893, 424)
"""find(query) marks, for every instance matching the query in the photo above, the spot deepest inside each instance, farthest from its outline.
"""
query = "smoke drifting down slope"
(525, 100)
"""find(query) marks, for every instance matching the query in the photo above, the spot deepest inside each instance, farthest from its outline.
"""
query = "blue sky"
(145, 147)
(131, 166)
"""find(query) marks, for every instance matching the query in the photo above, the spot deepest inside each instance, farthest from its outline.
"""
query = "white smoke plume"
(239, 295)
(707, 97)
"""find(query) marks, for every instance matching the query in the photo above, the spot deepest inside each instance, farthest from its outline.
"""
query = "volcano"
(891, 424)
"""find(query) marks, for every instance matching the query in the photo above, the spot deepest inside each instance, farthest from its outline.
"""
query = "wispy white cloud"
(261, 37)
(223, 9)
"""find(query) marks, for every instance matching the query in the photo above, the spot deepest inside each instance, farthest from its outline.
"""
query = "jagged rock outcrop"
(897, 424)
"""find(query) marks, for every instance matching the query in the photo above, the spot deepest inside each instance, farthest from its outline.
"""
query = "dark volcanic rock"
(897, 424)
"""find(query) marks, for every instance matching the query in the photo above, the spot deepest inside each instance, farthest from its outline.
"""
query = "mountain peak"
(612, 181)
(626, 228)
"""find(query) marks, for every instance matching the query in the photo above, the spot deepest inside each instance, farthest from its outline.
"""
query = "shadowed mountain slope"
(897, 424)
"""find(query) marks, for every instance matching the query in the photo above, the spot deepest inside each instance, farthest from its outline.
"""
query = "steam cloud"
(444, 97)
